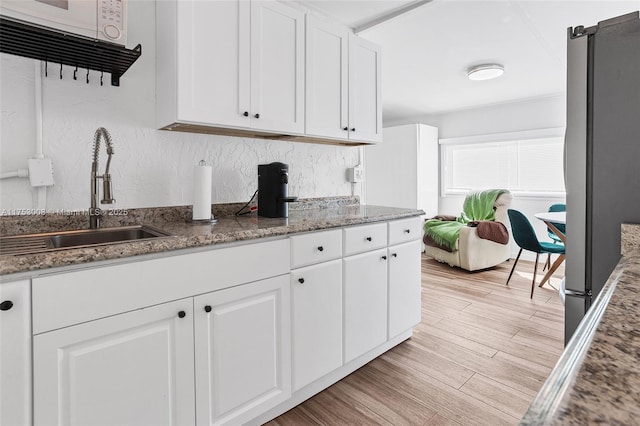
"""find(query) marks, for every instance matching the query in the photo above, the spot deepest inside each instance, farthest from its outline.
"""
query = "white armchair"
(472, 252)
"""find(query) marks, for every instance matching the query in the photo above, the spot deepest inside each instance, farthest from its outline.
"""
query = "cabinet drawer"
(358, 239)
(65, 299)
(315, 247)
(404, 230)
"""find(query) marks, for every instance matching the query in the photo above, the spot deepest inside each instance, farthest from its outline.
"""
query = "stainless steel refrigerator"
(602, 154)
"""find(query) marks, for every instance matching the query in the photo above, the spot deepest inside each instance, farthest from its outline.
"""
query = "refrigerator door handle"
(564, 159)
(578, 293)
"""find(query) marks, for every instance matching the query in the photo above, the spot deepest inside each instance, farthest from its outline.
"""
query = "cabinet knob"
(246, 113)
(182, 314)
(320, 248)
(6, 305)
(353, 129)
(207, 308)
(368, 238)
(257, 116)
(384, 257)
(345, 128)
(394, 254)
(301, 280)
(407, 231)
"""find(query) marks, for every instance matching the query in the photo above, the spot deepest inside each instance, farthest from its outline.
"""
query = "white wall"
(548, 112)
(149, 167)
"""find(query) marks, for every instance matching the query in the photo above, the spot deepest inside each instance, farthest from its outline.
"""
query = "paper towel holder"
(211, 221)
(191, 221)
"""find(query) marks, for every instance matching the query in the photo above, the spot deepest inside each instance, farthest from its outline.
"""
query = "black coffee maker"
(272, 190)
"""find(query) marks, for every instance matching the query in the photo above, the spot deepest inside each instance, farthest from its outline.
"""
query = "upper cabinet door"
(213, 61)
(277, 67)
(365, 90)
(327, 66)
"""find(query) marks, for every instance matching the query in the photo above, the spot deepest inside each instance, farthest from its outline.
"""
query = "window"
(527, 163)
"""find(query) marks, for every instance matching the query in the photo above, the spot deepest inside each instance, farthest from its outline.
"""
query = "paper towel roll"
(202, 191)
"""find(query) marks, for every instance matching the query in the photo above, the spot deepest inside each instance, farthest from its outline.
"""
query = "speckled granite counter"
(597, 379)
(306, 217)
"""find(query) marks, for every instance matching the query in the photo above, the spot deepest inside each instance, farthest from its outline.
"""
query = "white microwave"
(98, 19)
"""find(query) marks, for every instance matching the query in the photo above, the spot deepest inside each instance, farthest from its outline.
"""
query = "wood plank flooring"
(478, 357)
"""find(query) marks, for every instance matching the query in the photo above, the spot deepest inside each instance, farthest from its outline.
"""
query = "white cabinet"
(242, 351)
(365, 90)
(230, 63)
(327, 83)
(245, 68)
(343, 85)
(132, 368)
(243, 338)
(382, 287)
(111, 345)
(404, 287)
(15, 353)
(64, 299)
(316, 299)
(277, 67)
(409, 154)
(365, 302)
(138, 367)
(199, 78)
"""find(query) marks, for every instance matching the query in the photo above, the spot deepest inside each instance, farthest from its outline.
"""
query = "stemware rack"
(32, 41)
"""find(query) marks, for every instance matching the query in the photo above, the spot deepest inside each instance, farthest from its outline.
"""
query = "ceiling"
(427, 50)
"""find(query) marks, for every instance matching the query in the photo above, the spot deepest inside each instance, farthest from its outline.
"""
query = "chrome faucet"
(95, 215)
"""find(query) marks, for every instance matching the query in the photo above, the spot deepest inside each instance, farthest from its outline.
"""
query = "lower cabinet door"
(243, 351)
(365, 302)
(404, 287)
(15, 353)
(316, 301)
(134, 368)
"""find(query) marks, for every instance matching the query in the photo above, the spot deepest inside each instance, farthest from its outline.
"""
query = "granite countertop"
(597, 379)
(308, 216)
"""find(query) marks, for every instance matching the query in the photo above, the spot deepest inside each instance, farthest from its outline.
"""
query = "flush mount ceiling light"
(485, 72)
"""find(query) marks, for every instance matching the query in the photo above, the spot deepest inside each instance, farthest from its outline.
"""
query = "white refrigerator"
(402, 170)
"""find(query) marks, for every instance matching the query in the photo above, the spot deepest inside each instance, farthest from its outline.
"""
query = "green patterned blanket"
(477, 206)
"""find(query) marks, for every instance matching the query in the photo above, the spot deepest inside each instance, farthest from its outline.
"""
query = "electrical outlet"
(355, 174)
(40, 172)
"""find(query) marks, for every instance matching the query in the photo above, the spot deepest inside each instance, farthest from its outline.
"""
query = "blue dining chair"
(526, 238)
(561, 227)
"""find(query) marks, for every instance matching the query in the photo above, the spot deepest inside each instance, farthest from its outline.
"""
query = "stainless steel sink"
(37, 243)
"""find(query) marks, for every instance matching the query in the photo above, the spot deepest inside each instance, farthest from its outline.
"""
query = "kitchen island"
(597, 379)
(231, 323)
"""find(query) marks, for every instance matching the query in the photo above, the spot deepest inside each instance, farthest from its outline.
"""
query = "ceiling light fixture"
(485, 72)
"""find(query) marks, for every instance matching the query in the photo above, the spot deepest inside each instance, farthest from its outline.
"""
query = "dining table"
(551, 219)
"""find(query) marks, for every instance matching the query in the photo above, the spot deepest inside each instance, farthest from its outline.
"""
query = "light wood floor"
(479, 356)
